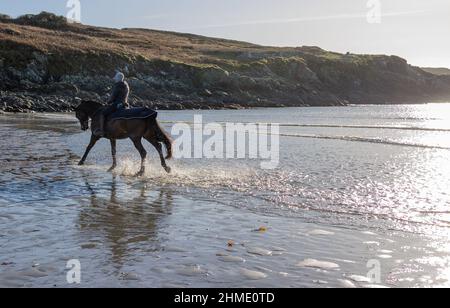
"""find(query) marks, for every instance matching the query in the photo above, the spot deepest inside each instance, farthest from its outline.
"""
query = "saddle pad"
(133, 113)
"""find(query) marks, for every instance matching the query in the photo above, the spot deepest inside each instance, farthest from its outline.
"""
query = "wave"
(355, 138)
(368, 140)
(429, 129)
(408, 128)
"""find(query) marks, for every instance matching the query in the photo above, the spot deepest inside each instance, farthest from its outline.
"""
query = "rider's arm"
(114, 94)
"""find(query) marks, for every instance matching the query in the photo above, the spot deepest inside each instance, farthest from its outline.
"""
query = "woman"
(117, 101)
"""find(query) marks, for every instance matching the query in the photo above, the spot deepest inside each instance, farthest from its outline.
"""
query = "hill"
(441, 71)
(47, 64)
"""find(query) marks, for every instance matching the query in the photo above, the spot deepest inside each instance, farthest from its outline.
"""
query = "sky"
(417, 30)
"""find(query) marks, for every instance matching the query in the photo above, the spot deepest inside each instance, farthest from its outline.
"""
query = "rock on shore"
(47, 64)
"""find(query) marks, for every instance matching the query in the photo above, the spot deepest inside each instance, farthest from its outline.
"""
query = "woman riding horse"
(135, 127)
(117, 101)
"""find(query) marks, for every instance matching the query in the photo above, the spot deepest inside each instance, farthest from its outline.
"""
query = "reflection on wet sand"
(330, 203)
(124, 217)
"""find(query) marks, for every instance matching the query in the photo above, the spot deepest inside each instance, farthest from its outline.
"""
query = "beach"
(359, 199)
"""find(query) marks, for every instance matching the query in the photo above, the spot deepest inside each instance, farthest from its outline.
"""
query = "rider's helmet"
(119, 77)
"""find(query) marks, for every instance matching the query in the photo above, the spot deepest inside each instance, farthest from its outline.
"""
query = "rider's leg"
(100, 131)
(102, 121)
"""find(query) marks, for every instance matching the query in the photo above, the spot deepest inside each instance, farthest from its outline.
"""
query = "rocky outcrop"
(47, 64)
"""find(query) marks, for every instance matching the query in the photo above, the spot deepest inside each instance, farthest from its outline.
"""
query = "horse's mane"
(90, 107)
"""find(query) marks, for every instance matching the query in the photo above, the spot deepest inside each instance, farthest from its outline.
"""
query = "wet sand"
(199, 227)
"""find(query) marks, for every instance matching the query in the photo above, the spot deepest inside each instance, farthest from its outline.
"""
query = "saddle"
(132, 114)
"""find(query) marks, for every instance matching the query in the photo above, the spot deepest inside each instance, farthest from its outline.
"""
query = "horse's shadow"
(124, 217)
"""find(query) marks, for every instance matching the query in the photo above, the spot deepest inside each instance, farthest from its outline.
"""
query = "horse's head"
(83, 117)
(86, 111)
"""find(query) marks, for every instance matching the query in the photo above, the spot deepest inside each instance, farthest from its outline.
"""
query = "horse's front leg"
(94, 140)
(113, 152)
(138, 144)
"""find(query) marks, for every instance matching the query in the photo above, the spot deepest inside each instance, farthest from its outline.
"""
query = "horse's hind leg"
(158, 147)
(113, 152)
(138, 144)
(94, 140)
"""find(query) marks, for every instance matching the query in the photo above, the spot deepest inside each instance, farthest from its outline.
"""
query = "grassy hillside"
(48, 60)
(440, 71)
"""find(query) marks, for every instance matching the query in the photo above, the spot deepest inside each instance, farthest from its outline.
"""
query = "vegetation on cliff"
(44, 58)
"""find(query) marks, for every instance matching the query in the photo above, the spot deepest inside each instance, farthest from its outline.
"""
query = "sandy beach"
(338, 212)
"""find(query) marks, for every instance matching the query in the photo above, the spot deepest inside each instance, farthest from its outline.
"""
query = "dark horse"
(135, 129)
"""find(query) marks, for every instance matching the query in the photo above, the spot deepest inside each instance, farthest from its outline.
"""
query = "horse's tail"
(165, 138)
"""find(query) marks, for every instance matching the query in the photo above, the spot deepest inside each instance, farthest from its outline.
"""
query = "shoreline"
(69, 107)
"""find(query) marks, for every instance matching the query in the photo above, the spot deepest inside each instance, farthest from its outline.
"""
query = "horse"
(116, 129)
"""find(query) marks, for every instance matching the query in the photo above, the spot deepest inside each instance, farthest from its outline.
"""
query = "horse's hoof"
(168, 169)
(80, 163)
(139, 174)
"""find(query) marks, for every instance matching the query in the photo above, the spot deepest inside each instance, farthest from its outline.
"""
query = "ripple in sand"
(35, 273)
(369, 233)
(231, 259)
(191, 270)
(320, 233)
(173, 286)
(358, 278)
(312, 263)
(174, 249)
(129, 276)
(259, 251)
(386, 252)
(344, 283)
(277, 253)
(278, 249)
(252, 275)
(426, 279)
(321, 282)
(88, 245)
(372, 243)
(374, 286)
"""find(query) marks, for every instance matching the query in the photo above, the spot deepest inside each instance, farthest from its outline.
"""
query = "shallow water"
(355, 185)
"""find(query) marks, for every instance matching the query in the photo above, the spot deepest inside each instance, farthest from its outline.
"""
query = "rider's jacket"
(120, 93)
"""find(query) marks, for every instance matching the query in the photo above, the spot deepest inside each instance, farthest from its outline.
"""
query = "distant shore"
(11, 102)
(48, 65)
